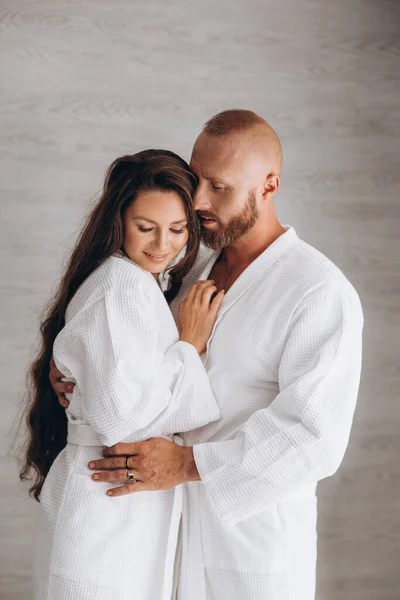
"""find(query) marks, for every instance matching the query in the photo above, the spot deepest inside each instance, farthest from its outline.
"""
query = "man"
(284, 361)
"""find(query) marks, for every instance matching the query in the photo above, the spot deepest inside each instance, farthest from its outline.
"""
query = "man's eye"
(177, 231)
(216, 187)
(145, 230)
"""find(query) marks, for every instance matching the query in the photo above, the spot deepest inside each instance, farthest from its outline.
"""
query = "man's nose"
(200, 200)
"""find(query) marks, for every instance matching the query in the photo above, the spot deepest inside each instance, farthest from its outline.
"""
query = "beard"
(236, 228)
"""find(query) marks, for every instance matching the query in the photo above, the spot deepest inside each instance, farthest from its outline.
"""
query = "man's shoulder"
(315, 267)
(312, 270)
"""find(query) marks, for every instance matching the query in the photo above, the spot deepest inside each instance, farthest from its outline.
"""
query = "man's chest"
(242, 361)
(224, 279)
(246, 346)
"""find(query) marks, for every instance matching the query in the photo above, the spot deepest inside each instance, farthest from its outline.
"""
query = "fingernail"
(96, 476)
(109, 493)
(91, 465)
(70, 387)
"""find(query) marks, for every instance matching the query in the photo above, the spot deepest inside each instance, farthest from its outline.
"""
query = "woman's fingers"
(63, 401)
(194, 290)
(195, 294)
(207, 295)
(60, 387)
(190, 296)
(216, 303)
(54, 373)
(200, 287)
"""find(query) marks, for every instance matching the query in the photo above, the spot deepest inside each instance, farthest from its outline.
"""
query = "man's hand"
(157, 464)
(60, 387)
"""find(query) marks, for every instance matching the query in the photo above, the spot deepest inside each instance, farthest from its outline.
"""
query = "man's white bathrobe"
(284, 362)
(134, 380)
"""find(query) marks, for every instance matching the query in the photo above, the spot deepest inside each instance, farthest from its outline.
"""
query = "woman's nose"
(162, 241)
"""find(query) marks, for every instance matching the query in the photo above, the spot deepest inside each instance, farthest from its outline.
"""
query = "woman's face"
(156, 229)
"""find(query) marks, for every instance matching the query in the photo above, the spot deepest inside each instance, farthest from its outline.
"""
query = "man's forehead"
(211, 160)
(222, 146)
(208, 169)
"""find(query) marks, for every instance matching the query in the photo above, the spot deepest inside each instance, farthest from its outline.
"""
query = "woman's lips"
(157, 258)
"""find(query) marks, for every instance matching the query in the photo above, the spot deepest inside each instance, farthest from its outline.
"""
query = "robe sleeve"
(301, 437)
(128, 386)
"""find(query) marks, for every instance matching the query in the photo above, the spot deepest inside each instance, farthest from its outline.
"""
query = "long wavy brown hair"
(102, 236)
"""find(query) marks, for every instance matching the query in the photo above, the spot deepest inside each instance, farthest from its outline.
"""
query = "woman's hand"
(198, 313)
(60, 387)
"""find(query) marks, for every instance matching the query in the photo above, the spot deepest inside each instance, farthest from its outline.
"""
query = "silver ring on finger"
(131, 476)
(127, 462)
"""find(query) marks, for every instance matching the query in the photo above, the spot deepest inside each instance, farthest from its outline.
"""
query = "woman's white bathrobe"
(284, 361)
(134, 380)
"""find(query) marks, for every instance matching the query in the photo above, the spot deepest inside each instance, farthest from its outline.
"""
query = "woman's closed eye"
(177, 231)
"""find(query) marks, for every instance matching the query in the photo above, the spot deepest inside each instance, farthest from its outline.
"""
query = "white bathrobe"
(284, 362)
(134, 380)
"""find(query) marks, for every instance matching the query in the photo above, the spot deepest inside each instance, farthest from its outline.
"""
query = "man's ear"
(271, 186)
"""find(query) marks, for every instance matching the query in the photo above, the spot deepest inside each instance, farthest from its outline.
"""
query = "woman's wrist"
(187, 340)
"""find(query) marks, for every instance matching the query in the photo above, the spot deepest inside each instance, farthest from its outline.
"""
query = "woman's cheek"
(184, 240)
(132, 243)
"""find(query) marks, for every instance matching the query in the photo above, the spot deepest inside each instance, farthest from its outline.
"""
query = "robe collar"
(252, 273)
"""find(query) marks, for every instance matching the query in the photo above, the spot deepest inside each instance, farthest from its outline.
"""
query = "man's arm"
(298, 440)
(302, 436)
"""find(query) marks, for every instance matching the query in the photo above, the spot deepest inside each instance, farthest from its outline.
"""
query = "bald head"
(257, 139)
(232, 121)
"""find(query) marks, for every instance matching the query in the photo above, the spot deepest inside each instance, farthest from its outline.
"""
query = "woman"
(135, 378)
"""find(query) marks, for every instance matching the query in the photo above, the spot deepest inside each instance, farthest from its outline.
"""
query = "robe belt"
(82, 435)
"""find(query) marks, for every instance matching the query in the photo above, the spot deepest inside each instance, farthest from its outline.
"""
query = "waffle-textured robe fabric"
(134, 380)
(284, 361)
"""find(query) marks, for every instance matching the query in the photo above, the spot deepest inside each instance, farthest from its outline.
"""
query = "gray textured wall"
(84, 81)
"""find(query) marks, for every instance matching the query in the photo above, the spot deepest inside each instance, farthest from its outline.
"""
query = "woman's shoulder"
(120, 273)
(117, 276)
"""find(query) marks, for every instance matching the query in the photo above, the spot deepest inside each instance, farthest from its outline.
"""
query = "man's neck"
(243, 252)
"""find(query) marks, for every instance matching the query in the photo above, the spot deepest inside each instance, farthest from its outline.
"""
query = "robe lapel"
(250, 275)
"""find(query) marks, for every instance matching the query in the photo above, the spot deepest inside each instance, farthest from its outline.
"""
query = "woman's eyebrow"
(145, 219)
(155, 222)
